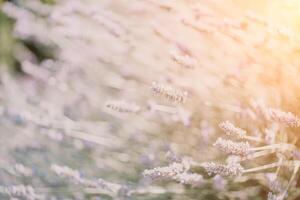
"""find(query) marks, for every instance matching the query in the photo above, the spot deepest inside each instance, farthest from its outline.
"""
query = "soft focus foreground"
(146, 99)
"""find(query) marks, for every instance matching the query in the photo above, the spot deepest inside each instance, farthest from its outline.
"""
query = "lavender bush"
(146, 99)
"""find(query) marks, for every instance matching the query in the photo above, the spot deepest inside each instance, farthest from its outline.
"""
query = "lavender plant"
(104, 89)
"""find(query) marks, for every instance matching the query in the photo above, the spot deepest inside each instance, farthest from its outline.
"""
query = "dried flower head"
(170, 93)
(21, 191)
(231, 130)
(223, 170)
(273, 183)
(113, 187)
(21, 169)
(286, 118)
(168, 172)
(122, 106)
(185, 60)
(65, 171)
(230, 147)
(193, 179)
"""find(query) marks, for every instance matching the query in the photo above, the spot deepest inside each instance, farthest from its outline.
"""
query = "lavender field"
(149, 99)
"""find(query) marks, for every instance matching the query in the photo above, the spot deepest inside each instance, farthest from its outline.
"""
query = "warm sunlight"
(149, 99)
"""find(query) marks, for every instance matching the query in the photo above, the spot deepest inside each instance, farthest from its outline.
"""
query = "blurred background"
(66, 65)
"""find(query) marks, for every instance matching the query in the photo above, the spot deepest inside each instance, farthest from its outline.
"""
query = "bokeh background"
(62, 60)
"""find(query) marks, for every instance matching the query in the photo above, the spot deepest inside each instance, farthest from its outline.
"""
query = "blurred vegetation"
(102, 79)
(6, 41)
